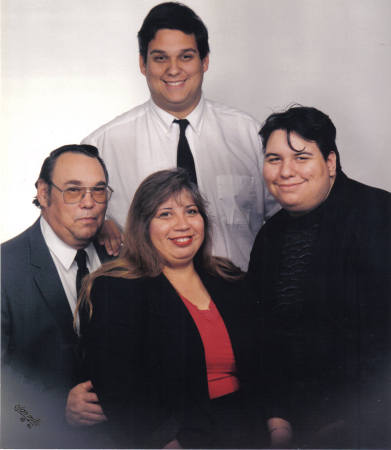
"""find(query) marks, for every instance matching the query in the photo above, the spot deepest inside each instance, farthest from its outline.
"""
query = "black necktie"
(82, 270)
(184, 156)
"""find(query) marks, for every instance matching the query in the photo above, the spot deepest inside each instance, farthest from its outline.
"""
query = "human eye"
(99, 193)
(159, 58)
(273, 159)
(73, 194)
(73, 189)
(163, 214)
(187, 56)
(192, 211)
(302, 157)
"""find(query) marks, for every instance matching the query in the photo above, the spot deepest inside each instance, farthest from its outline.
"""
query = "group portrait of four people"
(198, 280)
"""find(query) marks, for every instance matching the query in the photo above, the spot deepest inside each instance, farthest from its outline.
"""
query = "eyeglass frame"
(88, 189)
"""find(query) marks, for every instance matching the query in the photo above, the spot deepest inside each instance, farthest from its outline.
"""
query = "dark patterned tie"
(82, 269)
(184, 156)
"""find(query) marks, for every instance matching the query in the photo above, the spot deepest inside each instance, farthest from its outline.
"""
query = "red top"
(219, 356)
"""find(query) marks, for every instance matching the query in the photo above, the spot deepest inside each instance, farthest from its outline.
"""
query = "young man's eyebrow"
(190, 49)
(162, 52)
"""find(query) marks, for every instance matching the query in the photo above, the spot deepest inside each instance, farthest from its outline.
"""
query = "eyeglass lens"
(100, 194)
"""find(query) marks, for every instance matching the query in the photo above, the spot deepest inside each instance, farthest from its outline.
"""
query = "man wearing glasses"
(42, 269)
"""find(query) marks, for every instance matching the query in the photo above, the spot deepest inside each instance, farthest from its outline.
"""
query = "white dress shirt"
(228, 160)
(64, 259)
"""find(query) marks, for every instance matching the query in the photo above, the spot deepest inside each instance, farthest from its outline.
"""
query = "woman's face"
(177, 230)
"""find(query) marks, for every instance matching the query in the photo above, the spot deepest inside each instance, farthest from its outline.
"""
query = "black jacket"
(147, 361)
(336, 368)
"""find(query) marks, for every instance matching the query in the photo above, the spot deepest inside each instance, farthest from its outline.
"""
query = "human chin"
(86, 230)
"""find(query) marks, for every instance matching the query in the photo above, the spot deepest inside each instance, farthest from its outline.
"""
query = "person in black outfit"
(172, 346)
(321, 270)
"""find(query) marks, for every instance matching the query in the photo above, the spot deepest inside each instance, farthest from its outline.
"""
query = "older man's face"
(174, 71)
(75, 224)
(299, 180)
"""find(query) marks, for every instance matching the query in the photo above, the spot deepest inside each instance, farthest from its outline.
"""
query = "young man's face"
(174, 71)
(299, 180)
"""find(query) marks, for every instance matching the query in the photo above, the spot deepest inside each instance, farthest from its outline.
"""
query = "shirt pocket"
(236, 194)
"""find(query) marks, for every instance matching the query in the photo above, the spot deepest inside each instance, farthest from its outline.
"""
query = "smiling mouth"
(182, 241)
(289, 186)
(174, 83)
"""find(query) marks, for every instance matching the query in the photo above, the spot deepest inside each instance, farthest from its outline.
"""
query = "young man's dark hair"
(310, 123)
(172, 16)
(49, 163)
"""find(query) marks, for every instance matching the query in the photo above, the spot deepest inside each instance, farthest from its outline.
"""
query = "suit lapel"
(48, 281)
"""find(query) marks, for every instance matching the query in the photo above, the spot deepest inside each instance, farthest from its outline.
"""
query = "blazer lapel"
(172, 319)
(48, 281)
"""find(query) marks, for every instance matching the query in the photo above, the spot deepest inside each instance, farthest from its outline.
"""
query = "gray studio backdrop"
(68, 66)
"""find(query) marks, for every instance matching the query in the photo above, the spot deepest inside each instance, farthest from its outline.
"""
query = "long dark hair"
(139, 258)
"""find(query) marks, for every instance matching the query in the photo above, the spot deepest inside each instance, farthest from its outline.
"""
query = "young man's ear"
(332, 164)
(43, 193)
(141, 62)
(205, 63)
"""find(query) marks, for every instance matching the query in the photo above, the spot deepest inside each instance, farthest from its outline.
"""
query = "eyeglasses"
(75, 194)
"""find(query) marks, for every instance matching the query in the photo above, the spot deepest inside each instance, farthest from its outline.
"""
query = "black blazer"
(38, 343)
(147, 361)
(341, 363)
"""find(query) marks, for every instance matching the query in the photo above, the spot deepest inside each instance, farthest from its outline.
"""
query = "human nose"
(173, 67)
(182, 222)
(87, 200)
(287, 169)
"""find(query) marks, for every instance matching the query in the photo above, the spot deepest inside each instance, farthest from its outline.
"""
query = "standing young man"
(219, 145)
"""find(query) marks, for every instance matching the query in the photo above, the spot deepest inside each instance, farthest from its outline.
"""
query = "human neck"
(185, 272)
(179, 113)
(188, 284)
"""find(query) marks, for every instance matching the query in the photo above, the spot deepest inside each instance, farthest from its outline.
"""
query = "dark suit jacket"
(147, 361)
(329, 355)
(39, 345)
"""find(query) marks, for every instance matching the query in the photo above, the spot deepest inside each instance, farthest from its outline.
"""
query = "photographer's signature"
(26, 416)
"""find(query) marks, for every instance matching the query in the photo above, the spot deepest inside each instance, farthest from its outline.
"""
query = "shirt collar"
(166, 119)
(64, 252)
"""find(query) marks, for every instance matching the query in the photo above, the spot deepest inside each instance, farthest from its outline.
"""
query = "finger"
(86, 385)
(92, 416)
(90, 399)
(116, 245)
(107, 243)
(85, 422)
